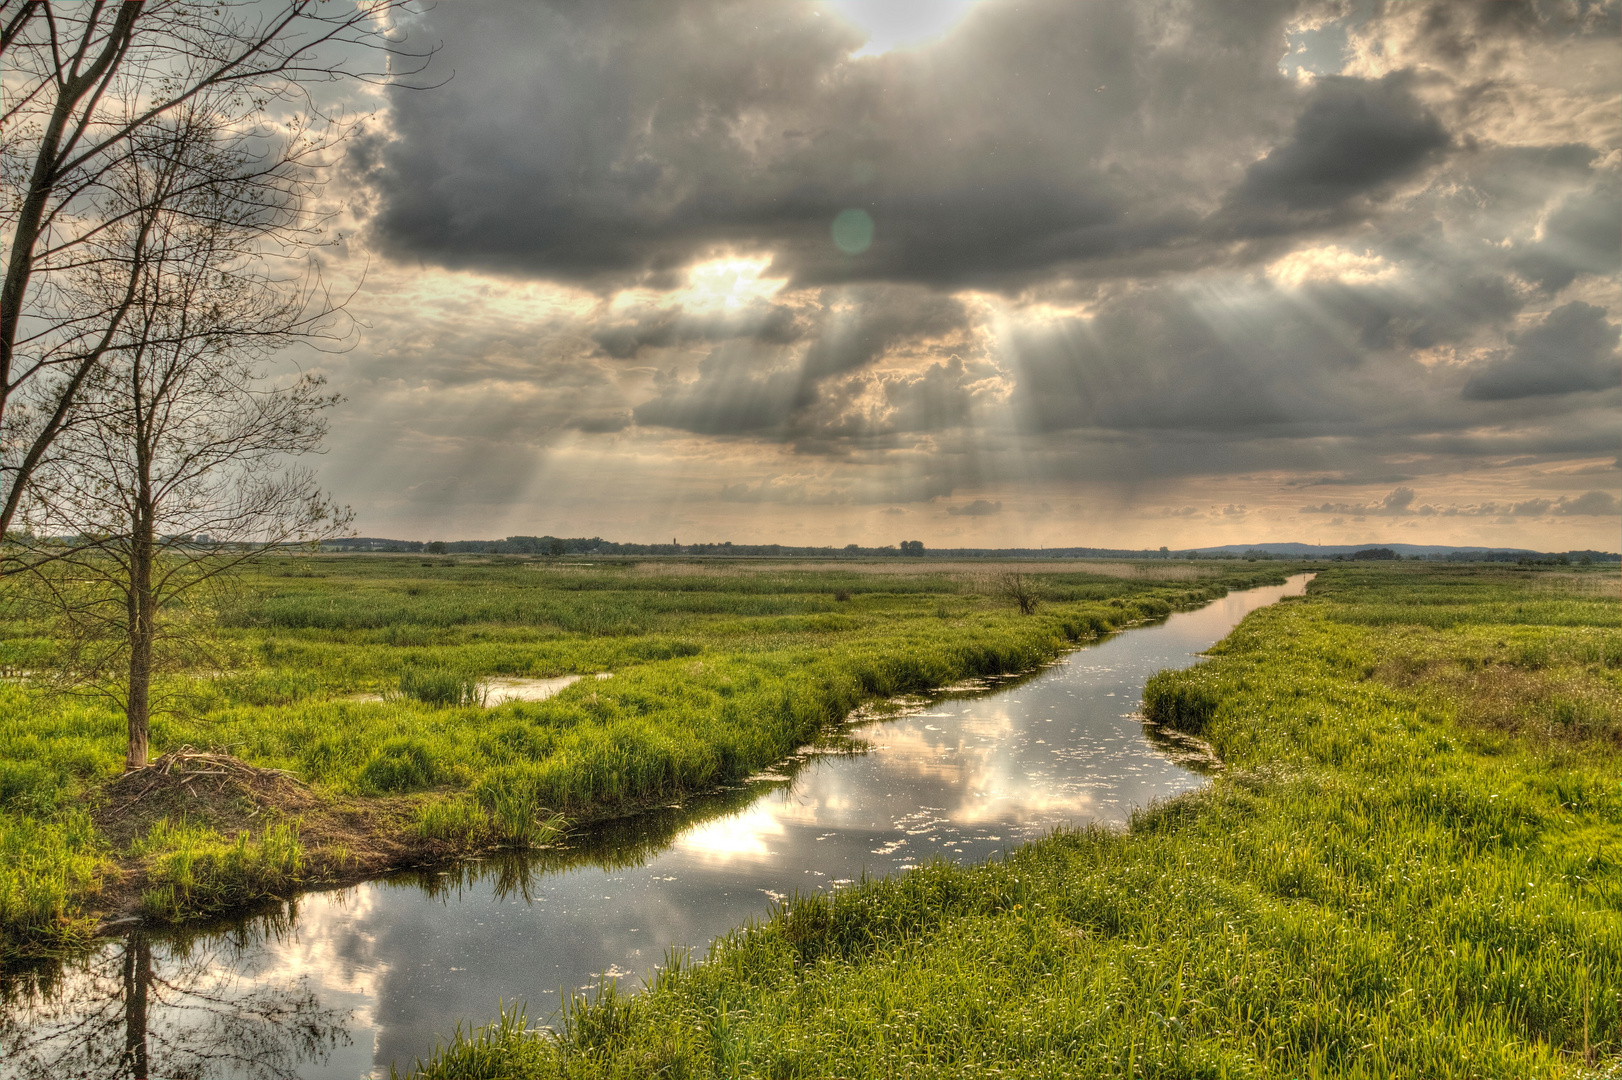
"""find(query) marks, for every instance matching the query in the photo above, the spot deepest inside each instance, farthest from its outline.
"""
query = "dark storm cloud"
(883, 319)
(1353, 138)
(735, 393)
(1572, 349)
(1456, 301)
(944, 395)
(624, 141)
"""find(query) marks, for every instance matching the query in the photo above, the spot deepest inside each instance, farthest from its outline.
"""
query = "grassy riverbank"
(1411, 867)
(351, 675)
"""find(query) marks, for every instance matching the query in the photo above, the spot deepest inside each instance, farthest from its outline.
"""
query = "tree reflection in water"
(179, 1007)
(199, 1006)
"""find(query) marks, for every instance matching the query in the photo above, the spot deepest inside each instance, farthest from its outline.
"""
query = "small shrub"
(1534, 656)
(27, 786)
(1020, 589)
(46, 868)
(511, 796)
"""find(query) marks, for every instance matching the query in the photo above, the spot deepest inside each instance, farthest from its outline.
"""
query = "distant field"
(1411, 866)
(966, 572)
(361, 676)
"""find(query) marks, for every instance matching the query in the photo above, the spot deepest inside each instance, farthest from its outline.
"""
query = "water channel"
(342, 984)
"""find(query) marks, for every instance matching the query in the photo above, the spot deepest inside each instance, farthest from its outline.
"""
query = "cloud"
(821, 488)
(1207, 272)
(601, 423)
(1354, 138)
(977, 508)
(625, 336)
(581, 143)
(1589, 504)
(1165, 359)
(1400, 503)
(1572, 349)
(1582, 236)
(746, 386)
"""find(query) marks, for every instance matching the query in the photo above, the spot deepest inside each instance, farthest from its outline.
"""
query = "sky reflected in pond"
(343, 984)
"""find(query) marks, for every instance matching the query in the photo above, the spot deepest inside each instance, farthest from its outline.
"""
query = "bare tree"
(89, 87)
(1020, 588)
(176, 467)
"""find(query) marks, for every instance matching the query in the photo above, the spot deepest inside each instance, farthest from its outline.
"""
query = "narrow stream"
(343, 984)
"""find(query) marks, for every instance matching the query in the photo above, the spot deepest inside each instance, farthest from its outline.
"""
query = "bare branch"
(91, 90)
(175, 468)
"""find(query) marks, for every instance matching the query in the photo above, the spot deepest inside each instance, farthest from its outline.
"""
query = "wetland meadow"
(1374, 831)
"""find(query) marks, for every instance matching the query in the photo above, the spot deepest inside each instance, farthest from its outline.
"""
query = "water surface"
(346, 983)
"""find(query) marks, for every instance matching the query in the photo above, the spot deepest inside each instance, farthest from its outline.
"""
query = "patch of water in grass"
(500, 689)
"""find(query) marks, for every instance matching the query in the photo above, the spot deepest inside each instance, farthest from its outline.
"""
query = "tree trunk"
(142, 632)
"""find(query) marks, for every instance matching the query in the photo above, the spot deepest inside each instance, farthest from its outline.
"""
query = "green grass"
(363, 677)
(445, 689)
(194, 870)
(1411, 867)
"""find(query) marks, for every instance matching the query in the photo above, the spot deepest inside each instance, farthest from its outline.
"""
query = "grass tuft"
(193, 870)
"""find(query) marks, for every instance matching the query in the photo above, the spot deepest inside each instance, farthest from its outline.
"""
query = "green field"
(1411, 866)
(360, 677)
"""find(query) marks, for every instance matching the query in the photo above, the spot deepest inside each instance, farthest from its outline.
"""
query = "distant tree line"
(1522, 558)
(596, 545)
(555, 546)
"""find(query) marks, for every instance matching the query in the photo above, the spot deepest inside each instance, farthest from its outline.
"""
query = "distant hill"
(1310, 551)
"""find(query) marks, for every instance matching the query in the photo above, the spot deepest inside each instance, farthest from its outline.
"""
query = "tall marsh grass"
(715, 675)
(195, 871)
(48, 868)
(442, 689)
(1378, 885)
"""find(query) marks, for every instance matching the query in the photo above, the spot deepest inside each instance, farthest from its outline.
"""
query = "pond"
(346, 983)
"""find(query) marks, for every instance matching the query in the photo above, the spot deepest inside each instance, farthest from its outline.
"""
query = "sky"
(996, 273)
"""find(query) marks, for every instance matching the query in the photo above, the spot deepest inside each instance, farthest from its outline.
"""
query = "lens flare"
(853, 231)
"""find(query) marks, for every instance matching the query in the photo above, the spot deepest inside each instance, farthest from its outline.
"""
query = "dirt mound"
(204, 787)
